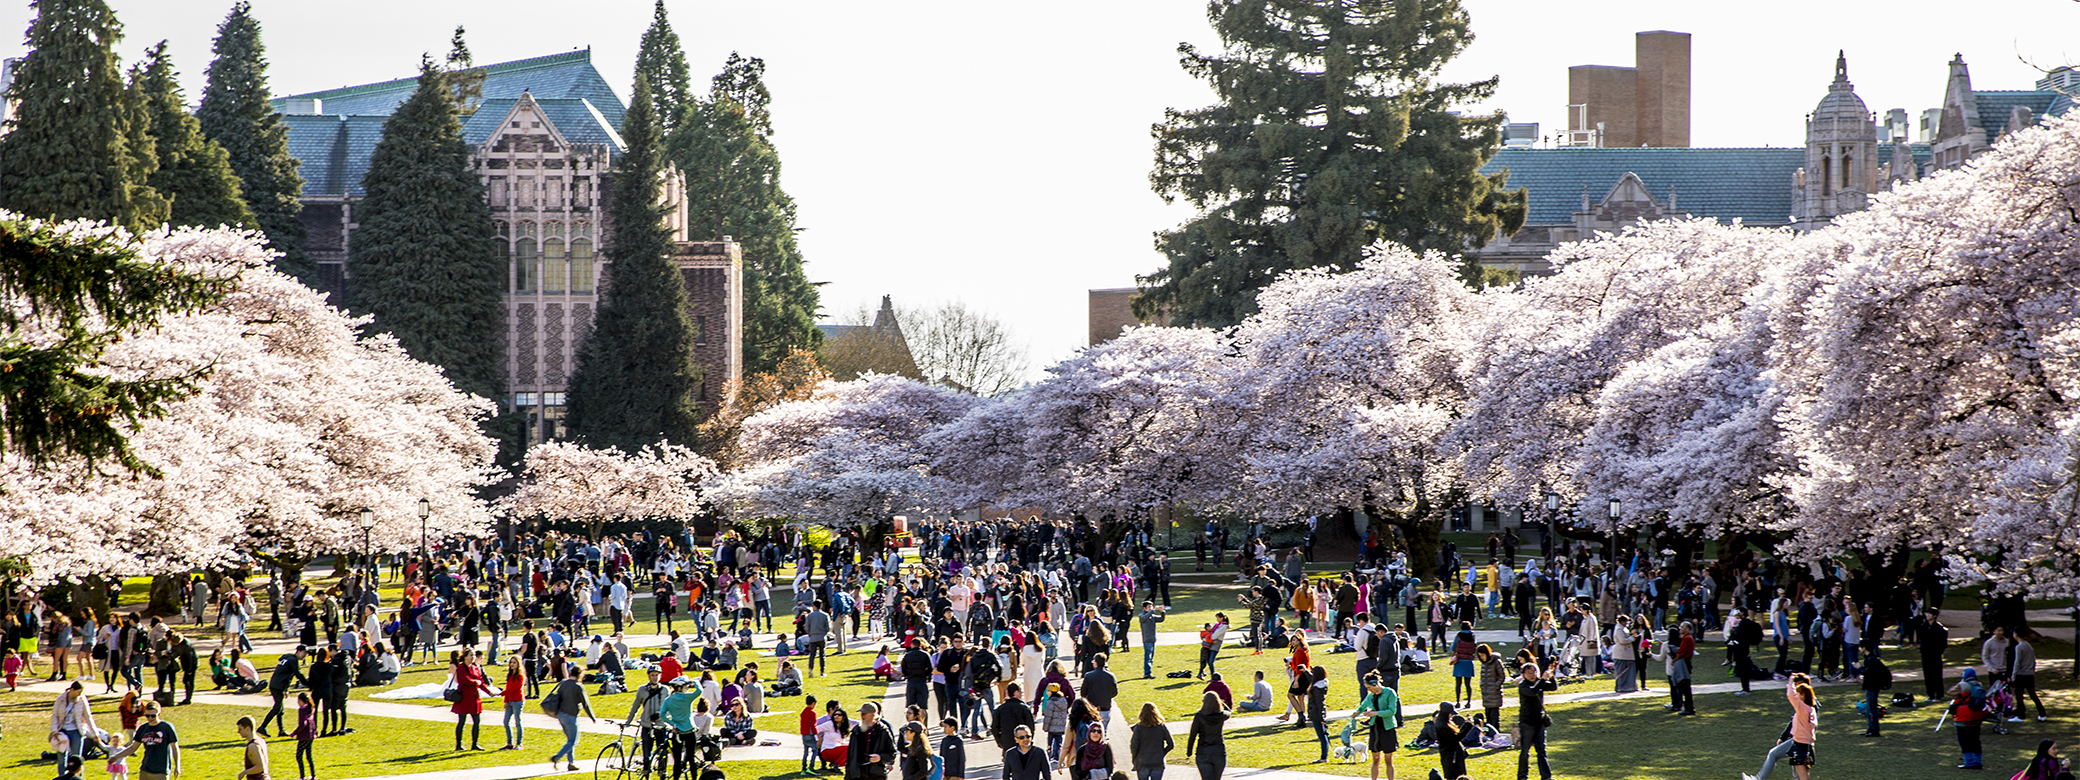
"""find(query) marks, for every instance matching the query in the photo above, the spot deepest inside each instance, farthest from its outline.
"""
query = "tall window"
(581, 265)
(555, 269)
(527, 267)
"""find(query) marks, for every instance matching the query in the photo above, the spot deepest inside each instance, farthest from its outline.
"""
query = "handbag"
(553, 703)
(452, 695)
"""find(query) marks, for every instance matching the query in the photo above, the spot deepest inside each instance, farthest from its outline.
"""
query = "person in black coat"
(1009, 717)
(1933, 639)
(953, 755)
(1024, 760)
(873, 747)
(286, 673)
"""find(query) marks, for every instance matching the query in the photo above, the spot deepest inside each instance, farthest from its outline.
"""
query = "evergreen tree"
(636, 376)
(194, 174)
(71, 150)
(234, 113)
(424, 262)
(1330, 134)
(733, 189)
(661, 60)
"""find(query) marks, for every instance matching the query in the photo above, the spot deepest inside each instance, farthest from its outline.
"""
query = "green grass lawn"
(211, 749)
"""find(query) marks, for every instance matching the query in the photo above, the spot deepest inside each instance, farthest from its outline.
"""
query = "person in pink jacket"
(1804, 721)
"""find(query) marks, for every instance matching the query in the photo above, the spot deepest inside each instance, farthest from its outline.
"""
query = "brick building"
(544, 139)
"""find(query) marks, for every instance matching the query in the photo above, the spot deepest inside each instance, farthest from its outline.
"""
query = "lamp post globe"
(425, 511)
(368, 526)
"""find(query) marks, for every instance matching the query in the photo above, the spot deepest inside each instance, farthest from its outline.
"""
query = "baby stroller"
(2001, 703)
(1348, 748)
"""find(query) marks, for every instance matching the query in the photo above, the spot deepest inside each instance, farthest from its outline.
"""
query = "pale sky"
(998, 153)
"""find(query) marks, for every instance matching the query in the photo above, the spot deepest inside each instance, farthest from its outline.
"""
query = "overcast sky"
(998, 153)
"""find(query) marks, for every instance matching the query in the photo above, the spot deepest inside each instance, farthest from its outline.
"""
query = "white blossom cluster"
(1906, 379)
(299, 422)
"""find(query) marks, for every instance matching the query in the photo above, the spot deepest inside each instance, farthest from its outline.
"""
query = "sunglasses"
(1025, 736)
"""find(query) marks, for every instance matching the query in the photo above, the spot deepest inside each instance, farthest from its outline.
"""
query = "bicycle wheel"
(613, 763)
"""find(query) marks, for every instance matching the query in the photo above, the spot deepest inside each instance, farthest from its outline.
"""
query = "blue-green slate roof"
(1753, 185)
(1995, 105)
(333, 148)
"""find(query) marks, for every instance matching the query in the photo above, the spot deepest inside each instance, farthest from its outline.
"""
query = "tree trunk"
(166, 596)
(1338, 534)
(91, 593)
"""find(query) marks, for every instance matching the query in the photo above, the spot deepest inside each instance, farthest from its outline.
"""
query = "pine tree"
(636, 377)
(1330, 134)
(424, 263)
(234, 113)
(194, 173)
(661, 60)
(733, 189)
(71, 149)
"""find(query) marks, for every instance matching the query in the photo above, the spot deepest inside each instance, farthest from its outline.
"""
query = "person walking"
(255, 766)
(565, 702)
(1207, 739)
(1380, 709)
(287, 672)
(1318, 709)
(1532, 720)
(873, 747)
(72, 720)
(1149, 742)
(1023, 761)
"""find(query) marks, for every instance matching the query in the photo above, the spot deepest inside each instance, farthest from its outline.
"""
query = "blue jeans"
(511, 721)
(74, 744)
(1148, 664)
(1148, 772)
(809, 752)
(569, 751)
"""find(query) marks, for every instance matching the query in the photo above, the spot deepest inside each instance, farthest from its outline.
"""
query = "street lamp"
(1552, 515)
(425, 511)
(1614, 530)
(368, 526)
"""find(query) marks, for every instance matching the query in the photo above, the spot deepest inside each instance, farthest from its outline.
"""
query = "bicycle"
(615, 763)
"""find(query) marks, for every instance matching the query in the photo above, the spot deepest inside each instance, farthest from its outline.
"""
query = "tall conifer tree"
(194, 174)
(71, 150)
(1331, 133)
(636, 375)
(424, 263)
(661, 60)
(733, 189)
(235, 114)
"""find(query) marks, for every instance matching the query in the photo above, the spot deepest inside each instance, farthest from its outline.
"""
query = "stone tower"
(1841, 155)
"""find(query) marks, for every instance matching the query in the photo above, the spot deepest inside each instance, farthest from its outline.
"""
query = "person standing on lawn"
(1933, 638)
(255, 754)
(1877, 677)
(1207, 738)
(1805, 722)
(1532, 721)
(1380, 707)
(160, 745)
(1149, 616)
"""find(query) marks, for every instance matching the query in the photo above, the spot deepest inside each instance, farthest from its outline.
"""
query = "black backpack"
(1372, 644)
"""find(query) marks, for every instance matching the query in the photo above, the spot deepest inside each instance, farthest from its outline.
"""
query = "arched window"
(504, 228)
(555, 270)
(1826, 176)
(552, 229)
(1847, 182)
(581, 228)
(527, 229)
(527, 267)
(581, 265)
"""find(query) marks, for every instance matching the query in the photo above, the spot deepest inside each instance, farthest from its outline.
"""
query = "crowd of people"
(1012, 632)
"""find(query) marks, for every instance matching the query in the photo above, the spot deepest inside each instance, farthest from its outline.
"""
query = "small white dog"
(1350, 754)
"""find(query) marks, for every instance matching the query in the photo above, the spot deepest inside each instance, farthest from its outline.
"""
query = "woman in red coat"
(469, 682)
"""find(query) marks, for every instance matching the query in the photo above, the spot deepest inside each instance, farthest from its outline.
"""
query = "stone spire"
(1841, 73)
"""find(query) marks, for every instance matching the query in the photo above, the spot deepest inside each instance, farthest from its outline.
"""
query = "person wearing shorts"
(1381, 708)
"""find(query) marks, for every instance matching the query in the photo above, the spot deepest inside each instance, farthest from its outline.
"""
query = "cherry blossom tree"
(850, 456)
(1133, 425)
(1934, 389)
(563, 481)
(1350, 384)
(296, 423)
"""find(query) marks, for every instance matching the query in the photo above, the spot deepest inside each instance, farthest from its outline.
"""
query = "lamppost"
(368, 526)
(425, 511)
(1614, 531)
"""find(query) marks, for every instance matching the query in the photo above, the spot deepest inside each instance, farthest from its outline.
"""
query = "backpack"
(938, 768)
(1372, 644)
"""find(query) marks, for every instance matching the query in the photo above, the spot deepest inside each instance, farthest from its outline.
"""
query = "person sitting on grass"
(789, 681)
(737, 727)
(883, 669)
(1259, 697)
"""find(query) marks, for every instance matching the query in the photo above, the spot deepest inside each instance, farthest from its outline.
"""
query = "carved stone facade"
(547, 168)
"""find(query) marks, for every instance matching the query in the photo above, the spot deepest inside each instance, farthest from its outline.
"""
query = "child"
(306, 732)
(809, 736)
(118, 759)
(12, 666)
(882, 668)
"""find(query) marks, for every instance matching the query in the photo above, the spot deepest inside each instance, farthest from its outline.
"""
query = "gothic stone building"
(1579, 191)
(544, 139)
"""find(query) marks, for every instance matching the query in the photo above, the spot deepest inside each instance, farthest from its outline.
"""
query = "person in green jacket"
(1380, 707)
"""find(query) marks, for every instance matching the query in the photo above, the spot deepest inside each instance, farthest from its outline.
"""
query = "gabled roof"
(566, 75)
(1996, 104)
(333, 148)
(577, 120)
(1752, 185)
